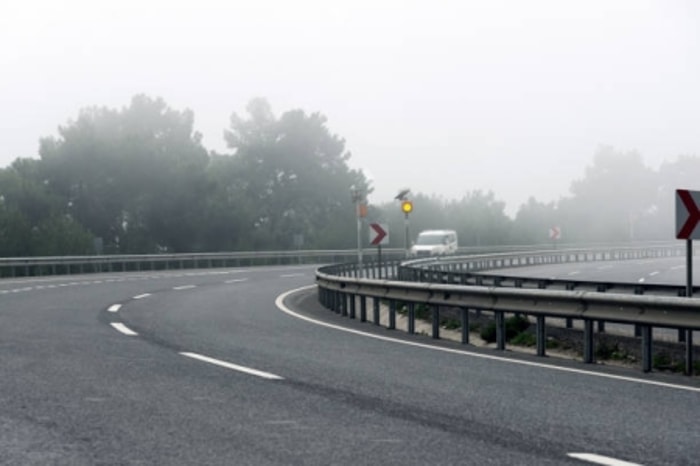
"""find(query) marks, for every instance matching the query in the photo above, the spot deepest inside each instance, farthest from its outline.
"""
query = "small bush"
(606, 351)
(488, 332)
(451, 324)
(422, 311)
(514, 326)
(524, 339)
(664, 361)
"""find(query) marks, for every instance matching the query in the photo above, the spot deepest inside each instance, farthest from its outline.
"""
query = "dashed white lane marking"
(114, 308)
(599, 459)
(184, 287)
(141, 296)
(118, 326)
(642, 280)
(279, 302)
(235, 367)
(236, 280)
(605, 267)
(676, 267)
(575, 272)
(290, 275)
(653, 273)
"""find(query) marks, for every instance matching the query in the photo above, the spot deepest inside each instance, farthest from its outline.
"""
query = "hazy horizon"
(443, 98)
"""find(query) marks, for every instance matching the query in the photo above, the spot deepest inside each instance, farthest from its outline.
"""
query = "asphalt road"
(229, 367)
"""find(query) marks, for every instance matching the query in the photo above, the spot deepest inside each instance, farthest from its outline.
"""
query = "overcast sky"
(442, 97)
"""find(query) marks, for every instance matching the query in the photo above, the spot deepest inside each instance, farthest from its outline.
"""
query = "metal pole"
(647, 356)
(541, 336)
(359, 233)
(465, 326)
(689, 294)
(436, 322)
(406, 244)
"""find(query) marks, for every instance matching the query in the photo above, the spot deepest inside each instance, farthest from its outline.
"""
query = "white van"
(434, 243)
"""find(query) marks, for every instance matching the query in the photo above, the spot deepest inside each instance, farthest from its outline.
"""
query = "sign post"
(378, 235)
(687, 219)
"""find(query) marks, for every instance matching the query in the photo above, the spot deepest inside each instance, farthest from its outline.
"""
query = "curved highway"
(235, 367)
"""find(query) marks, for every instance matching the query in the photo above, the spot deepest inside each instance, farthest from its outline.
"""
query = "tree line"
(139, 180)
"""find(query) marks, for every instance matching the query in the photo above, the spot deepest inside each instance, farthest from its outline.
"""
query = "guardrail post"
(352, 298)
(569, 320)
(588, 350)
(500, 330)
(541, 336)
(689, 352)
(363, 308)
(646, 347)
(338, 302)
(343, 304)
(392, 315)
(465, 325)
(601, 326)
(411, 318)
(375, 310)
(436, 322)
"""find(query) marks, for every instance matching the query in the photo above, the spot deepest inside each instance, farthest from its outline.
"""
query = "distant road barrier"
(342, 288)
(64, 265)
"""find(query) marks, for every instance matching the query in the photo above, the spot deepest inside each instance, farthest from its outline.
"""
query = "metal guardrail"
(482, 270)
(65, 265)
(340, 286)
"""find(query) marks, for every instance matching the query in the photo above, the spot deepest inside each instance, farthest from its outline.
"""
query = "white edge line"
(141, 296)
(599, 459)
(123, 329)
(279, 302)
(114, 307)
(235, 367)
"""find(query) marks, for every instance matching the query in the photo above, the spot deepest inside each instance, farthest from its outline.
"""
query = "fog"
(441, 97)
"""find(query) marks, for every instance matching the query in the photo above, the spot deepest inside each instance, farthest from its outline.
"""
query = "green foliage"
(664, 361)
(524, 339)
(139, 180)
(515, 325)
(450, 323)
(488, 332)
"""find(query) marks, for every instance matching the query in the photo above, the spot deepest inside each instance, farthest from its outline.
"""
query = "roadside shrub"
(524, 339)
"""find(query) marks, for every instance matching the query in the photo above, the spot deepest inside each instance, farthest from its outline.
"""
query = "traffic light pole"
(406, 236)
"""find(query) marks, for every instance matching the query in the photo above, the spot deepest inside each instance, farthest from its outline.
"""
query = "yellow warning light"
(407, 207)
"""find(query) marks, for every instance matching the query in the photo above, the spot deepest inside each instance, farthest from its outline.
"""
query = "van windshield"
(430, 240)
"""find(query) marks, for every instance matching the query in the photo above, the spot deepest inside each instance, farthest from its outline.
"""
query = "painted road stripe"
(653, 273)
(235, 367)
(290, 275)
(599, 459)
(605, 267)
(642, 280)
(236, 280)
(123, 329)
(184, 287)
(114, 307)
(279, 302)
(576, 272)
(141, 296)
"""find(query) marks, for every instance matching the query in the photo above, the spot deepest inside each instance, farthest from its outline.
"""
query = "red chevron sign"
(687, 214)
(378, 234)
